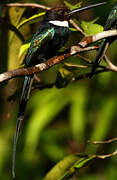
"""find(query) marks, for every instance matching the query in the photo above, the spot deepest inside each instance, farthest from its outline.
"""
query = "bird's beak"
(77, 10)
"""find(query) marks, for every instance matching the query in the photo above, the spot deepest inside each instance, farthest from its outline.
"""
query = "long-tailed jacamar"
(111, 23)
(52, 34)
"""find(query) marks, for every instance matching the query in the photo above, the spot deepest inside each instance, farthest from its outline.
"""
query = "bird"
(51, 35)
(111, 23)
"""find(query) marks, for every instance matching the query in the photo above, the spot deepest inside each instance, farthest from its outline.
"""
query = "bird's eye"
(62, 12)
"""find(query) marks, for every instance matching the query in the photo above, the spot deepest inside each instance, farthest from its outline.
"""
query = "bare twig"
(89, 61)
(85, 59)
(37, 78)
(86, 75)
(110, 64)
(88, 40)
(75, 49)
(77, 27)
(75, 65)
(103, 142)
(107, 155)
(34, 5)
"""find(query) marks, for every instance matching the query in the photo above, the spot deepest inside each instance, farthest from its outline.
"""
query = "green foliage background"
(58, 121)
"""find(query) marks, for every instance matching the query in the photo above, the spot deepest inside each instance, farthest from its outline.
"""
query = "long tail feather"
(23, 101)
(101, 52)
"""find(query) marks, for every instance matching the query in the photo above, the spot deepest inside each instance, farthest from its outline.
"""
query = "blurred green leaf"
(73, 29)
(23, 48)
(14, 43)
(68, 166)
(64, 72)
(77, 113)
(90, 28)
(3, 147)
(52, 142)
(64, 77)
(70, 6)
(53, 103)
(111, 172)
(104, 121)
(32, 19)
(55, 151)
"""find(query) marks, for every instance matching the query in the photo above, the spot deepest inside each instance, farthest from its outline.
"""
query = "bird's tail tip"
(13, 174)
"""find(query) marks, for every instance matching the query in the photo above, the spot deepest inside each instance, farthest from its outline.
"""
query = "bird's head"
(58, 14)
(62, 14)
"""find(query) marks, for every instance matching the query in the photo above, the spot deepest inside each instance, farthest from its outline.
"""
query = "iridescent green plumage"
(38, 45)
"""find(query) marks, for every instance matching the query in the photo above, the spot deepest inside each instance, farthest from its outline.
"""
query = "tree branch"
(39, 67)
(33, 5)
(57, 59)
(91, 39)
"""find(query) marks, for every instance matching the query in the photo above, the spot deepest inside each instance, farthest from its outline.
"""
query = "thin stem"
(34, 5)
(103, 142)
(107, 155)
(110, 64)
(77, 27)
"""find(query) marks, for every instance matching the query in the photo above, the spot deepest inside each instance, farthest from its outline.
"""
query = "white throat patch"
(60, 23)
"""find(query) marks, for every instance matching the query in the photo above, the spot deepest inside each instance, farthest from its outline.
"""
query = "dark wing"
(110, 23)
(98, 57)
(112, 19)
(39, 43)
